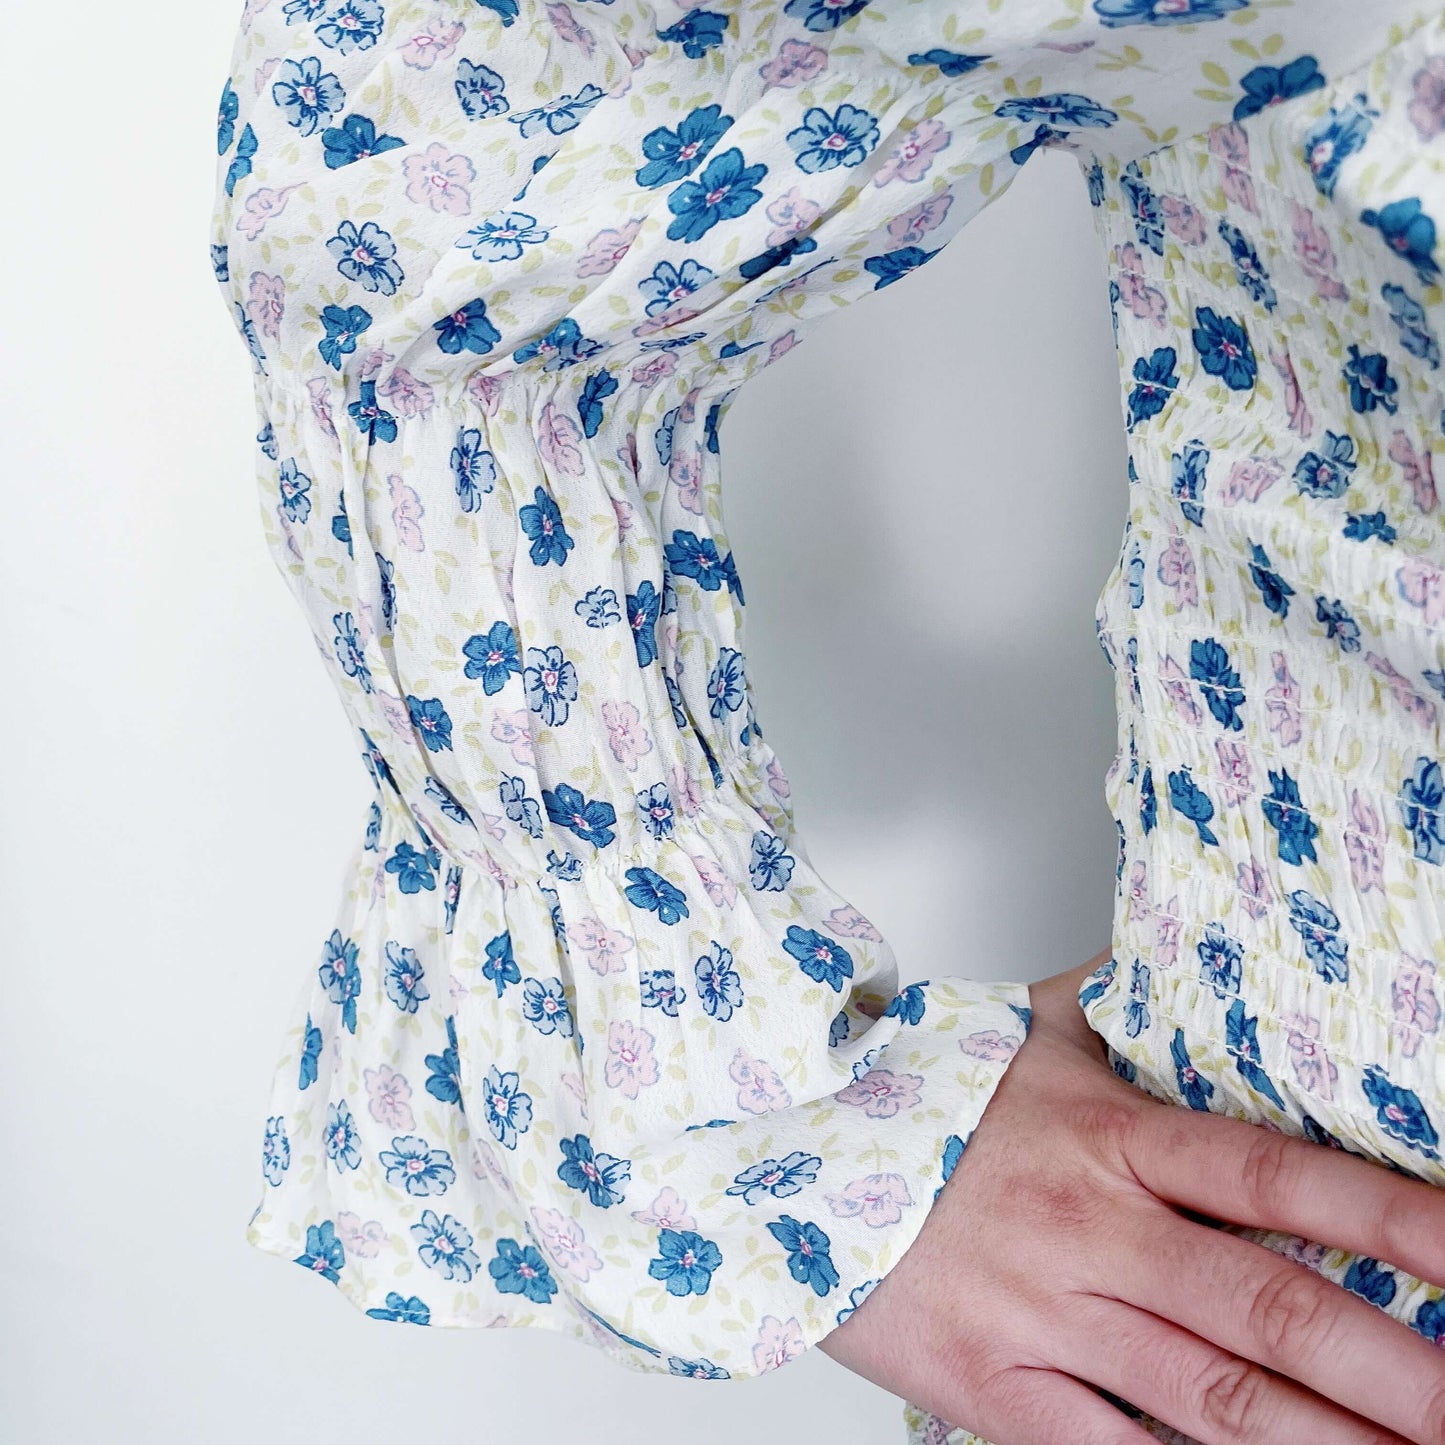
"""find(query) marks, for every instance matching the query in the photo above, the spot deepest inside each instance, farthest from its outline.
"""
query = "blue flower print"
(343, 325)
(541, 521)
(405, 977)
(597, 388)
(341, 977)
(654, 807)
(1409, 317)
(771, 867)
(402, 1309)
(820, 957)
(323, 1252)
(1116, 13)
(823, 141)
(1248, 268)
(309, 1068)
(1430, 1321)
(352, 25)
(355, 139)
(493, 657)
(414, 870)
(1400, 1113)
(474, 468)
(818, 15)
(658, 988)
(597, 607)
(226, 113)
(1362, 526)
(600, 1177)
(431, 721)
(304, 12)
(294, 486)
(343, 1146)
(349, 653)
(1365, 1278)
(689, 555)
(367, 255)
(1369, 381)
(697, 32)
(518, 807)
(307, 95)
(412, 1164)
(895, 265)
(275, 1150)
(1098, 983)
(590, 821)
(673, 154)
(480, 90)
(221, 266)
(1267, 85)
(1144, 208)
(240, 166)
(685, 1261)
(1224, 348)
(1326, 473)
(776, 1178)
(1409, 232)
(1422, 810)
(1135, 574)
(1218, 681)
(1220, 961)
(650, 890)
(1190, 801)
(558, 115)
(643, 608)
(1338, 623)
(719, 985)
(726, 685)
(372, 419)
(501, 965)
(809, 1260)
(445, 1245)
(520, 1269)
(444, 1076)
(1197, 1090)
(1318, 924)
(1284, 812)
(550, 680)
(696, 1369)
(468, 328)
(1063, 111)
(508, 1109)
(1136, 1010)
(1241, 1042)
(502, 236)
(726, 188)
(950, 62)
(670, 283)
(1155, 381)
(1273, 589)
(1334, 138)
(1096, 183)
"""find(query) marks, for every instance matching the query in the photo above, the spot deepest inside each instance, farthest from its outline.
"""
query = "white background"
(180, 787)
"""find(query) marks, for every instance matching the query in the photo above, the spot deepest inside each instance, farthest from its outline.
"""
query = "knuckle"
(1231, 1398)
(1269, 1172)
(1287, 1313)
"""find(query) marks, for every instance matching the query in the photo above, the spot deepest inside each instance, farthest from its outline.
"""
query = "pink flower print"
(684, 471)
(262, 206)
(266, 303)
(778, 1342)
(514, 728)
(435, 41)
(372, 361)
(791, 214)
(1166, 934)
(407, 395)
(626, 736)
(1230, 147)
(914, 224)
(631, 1065)
(796, 63)
(882, 1094)
(440, 179)
(264, 72)
(607, 248)
(486, 391)
(559, 441)
(686, 791)
(1316, 254)
(1249, 479)
(1419, 470)
(1142, 299)
(1254, 890)
(570, 29)
(389, 1096)
(876, 1199)
(1176, 572)
(782, 345)
(722, 892)
(363, 1239)
(1365, 844)
(1423, 586)
(1312, 1065)
(1282, 704)
(1183, 220)
(658, 367)
(668, 1211)
(1307, 1252)
(778, 784)
(986, 1044)
(625, 513)
(1235, 781)
(565, 1243)
(760, 1090)
(848, 922)
(1421, 709)
(912, 158)
(1415, 1003)
(1176, 689)
(1139, 905)
(1427, 106)
(606, 948)
(1299, 419)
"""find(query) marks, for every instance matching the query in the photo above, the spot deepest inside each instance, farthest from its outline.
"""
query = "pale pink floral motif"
(1427, 107)
(1142, 299)
(782, 345)
(1282, 702)
(1249, 479)
(1176, 689)
(778, 1342)
(791, 214)
(684, 471)
(363, 1239)
(486, 391)
(514, 728)
(569, 28)
(559, 441)
(882, 1094)
(1176, 571)
(1139, 905)
(1183, 220)
(795, 63)
(1316, 253)
(626, 736)
(1254, 890)
(389, 1098)
(1166, 933)
(606, 948)
(1235, 780)
(876, 1199)
(760, 1090)
(264, 71)
(486, 1165)
(435, 41)
(262, 206)
(1419, 469)
(607, 248)
(658, 366)
(251, 10)
(720, 889)
(393, 709)
(631, 1065)
(440, 179)
(1300, 421)
(372, 361)
(576, 1085)
(668, 1211)
(847, 922)
(983, 1044)
(912, 158)
(1229, 145)
(565, 1243)
(1312, 1064)
(778, 784)
(685, 789)
(407, 394)
(1423, 585)
(1365, 844)
(625, 513)
(1307, 1252)
(1418, 707)
(266, 303)
(913, 225)
(1415, 1003)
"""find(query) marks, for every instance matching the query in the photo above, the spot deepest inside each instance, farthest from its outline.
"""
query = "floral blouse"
(590, 1045)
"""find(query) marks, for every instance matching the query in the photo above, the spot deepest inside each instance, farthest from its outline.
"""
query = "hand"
(1059, 1256)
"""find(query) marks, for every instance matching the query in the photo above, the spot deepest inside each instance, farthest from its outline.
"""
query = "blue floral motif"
(294, 485)
(1224, 348)
(1338, 623)
(550, 680)
(1409, 232)
(343, 1141)
(1268, 85)
(503, 236)
(402, 1309)
(601, 1177)
(1363, 526)
(352, 25)
(366, 254)
(673, 154)
(1218, 681)
(726, 188)
(405, 977)
(542, 523)
(1220, 961)
(697, 32)
(307, 95)
(776, 1178)
(658, 988)
(1241, 1042)
(950, 62)
(650, 890)
(643, 609)
(444, 1244)
(1410, 318)
(1369, 381)
(1365, 1278)
(1196, 1089)
(558, 115)
(1318, 925)
(1155, 381)
(1284, 812)
(343, 325)
(240, 166)
(819, 15)
(372, 419)
(726, 684)
(1401, 1113)
(1148, 802)
(309, 1067)
(481, 92)
(696, 1369)
(414, 869)
(820, 957)
(1248, 268)
(908, 1004)
(431, 721)
(895, 265)
(444, 1076)
(275, 1150)
(507, 1107)
(468, 328)
(226, 113)
(341, 977)
(1334, 138)
(1190, 801)
(1422, 810)
(1273, 589)
(1327, 473)
(1136, 1010)
(771, 867)
(323, 1253)
(1144, 208)
(1164, 12)
(670, 284)
(590, 820)
(807, 1247)
(719, 985)
(355, 139)
(685, 1261)
(501, 965)
(493, 657)
(412, 1164)
(826, 141)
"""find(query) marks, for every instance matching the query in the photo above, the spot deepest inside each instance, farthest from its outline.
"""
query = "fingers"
(1262, 1308)
(1029, 1406)
(1254, 1176)
(1210, 1394)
